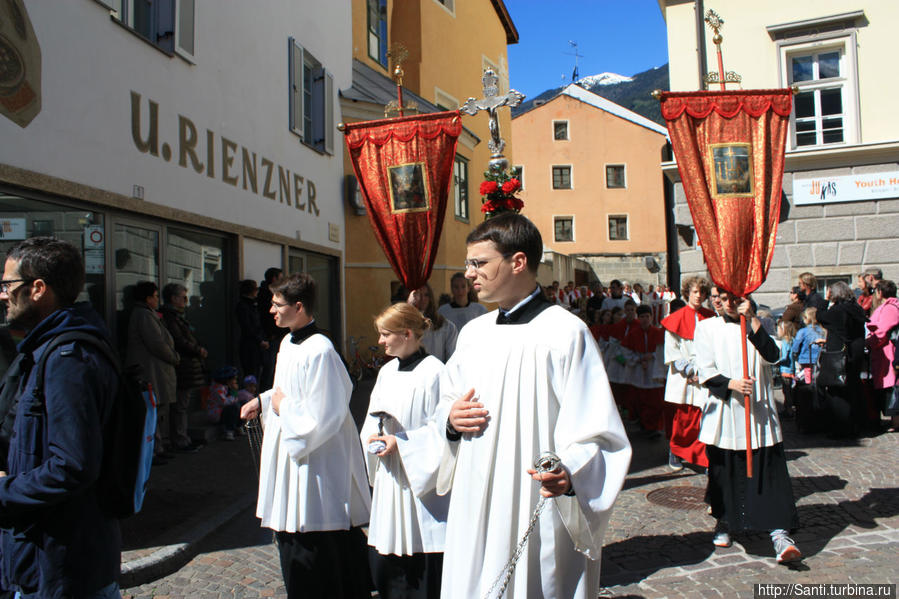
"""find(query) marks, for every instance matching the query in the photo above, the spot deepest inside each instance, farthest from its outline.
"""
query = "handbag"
(830, 370)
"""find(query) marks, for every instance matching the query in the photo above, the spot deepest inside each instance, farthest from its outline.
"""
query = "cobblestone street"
(659, 541)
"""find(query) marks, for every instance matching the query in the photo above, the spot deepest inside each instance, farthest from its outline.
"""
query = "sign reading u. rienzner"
(846, 188)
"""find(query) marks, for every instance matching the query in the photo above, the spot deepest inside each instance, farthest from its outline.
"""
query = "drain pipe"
(700, 42)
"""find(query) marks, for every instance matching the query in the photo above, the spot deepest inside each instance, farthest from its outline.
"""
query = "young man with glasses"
(56, 541)
(525, 379)
(313, 488)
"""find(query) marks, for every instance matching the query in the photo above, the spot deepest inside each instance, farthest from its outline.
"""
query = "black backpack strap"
(62, 339)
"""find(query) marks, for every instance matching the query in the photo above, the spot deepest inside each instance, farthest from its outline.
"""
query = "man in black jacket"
(809, 284)
(55, 539)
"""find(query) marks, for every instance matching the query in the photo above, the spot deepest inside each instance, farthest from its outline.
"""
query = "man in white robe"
(525, 379)
(313, 489)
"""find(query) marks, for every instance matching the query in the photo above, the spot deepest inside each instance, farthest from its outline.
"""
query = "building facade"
(445, 45)
(178, 141)
(840, 211)
(592, 185)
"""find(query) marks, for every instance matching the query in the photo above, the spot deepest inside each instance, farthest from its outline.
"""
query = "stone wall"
(630, 268)
(828, 240)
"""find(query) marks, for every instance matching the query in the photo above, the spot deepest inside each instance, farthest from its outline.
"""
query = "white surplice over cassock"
(311, 475)
(545, 387)
(407, 515)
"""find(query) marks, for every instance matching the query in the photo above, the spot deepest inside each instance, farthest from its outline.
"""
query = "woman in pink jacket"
(883, 375)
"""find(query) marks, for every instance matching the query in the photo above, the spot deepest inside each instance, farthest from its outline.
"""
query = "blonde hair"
(401, 317)
(787, 329)
(810, 316)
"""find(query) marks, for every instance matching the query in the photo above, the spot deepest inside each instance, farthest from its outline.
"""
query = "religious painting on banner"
(404, 167)
(729, 147)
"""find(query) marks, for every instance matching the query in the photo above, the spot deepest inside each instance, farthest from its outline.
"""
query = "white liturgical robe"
(545, 387)
(311, 475)
(407, 515)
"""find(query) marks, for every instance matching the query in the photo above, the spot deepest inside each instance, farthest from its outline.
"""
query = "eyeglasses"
(478, 264)
(4, 285)
(279, 304)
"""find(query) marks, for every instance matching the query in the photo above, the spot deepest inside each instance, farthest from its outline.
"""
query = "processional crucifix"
(491, 102)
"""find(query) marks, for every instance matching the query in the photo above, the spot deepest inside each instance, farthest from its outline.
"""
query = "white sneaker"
(786, 550)
(674, 462)
(722, 539)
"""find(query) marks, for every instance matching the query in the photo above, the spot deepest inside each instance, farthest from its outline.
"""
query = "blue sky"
(618, 36)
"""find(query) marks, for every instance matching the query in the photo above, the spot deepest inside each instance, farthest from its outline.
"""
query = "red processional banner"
(404, 167)
(729, 147)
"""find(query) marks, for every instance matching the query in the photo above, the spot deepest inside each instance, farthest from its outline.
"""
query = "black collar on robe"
(730, 319)
(525, 313)
(409, 363)
(301, 335)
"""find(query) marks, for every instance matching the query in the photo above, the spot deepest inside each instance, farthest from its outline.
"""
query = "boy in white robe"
(313, 491)
(764, 502)
(525, 379)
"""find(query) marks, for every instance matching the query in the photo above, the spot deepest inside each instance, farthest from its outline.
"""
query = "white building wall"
(237, 90)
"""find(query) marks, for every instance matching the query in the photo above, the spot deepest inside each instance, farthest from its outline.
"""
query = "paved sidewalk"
(187, 542)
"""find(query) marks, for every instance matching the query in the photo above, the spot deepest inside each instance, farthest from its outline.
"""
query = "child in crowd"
(222, 405)
(248, 391)
(805, 350)
(786, 333)
(647, 393)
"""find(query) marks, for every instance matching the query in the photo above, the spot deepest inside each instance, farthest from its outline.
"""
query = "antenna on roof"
(574, 75)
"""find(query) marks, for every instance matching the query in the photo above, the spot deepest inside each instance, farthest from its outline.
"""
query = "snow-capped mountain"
(603, 79)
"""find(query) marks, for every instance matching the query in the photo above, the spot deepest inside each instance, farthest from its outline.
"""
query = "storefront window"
(324, 269)
(200, 262)
(21, 218)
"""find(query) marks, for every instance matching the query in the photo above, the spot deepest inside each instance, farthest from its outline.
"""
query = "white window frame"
(627, 226)
(564, 217)
(520, 170)
(123, 11)
(457, 190)
(322, 100)
(605, 171)
(845, 43)
(567, 130)
(448, 5)
(368, 35)
(570, 177)
(441, 98)
(189, 56)
(503, 77)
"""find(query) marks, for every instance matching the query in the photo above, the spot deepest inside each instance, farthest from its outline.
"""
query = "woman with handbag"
(841, 362)
(884, 319)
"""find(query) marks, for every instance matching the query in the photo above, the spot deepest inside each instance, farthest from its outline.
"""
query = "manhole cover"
(679, 498)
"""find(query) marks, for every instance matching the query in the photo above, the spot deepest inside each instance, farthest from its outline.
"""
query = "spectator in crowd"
(223, 404)
(152, 350)
(249, 390)
(461, 309)
(786, 333)
(439, 340)
(764, 502)
(252, 344)
(270, 331)
(793, 311)
(647, 393)
(190, 371)
(56, 539)
(806, 345)
(844, 322)
(869, 280)
(808, 283)
(594, 302)
(884, 319)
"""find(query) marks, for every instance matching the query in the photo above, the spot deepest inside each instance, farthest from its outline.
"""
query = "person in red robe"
(615, 361)
(646, 392)
(682, 390)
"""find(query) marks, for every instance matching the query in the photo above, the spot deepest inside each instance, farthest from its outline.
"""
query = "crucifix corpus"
(491, 102)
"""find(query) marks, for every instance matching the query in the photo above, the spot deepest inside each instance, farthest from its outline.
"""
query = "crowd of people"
(494, 444)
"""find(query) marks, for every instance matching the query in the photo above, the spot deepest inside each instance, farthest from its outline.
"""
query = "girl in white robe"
(408, 519)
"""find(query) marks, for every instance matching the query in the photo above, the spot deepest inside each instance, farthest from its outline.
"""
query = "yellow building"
(592, 184)
(447, 44)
